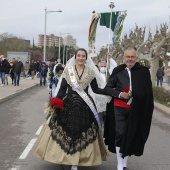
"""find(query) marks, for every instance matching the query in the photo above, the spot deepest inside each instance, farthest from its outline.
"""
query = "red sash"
(121, 103)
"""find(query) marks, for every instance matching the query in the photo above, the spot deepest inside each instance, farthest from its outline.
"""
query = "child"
(50, 81)
(54, 79)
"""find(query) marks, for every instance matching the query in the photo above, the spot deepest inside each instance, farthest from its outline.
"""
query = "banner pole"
(108, 47)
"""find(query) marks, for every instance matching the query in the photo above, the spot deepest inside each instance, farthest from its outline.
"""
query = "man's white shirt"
(103, 75)
(113, 64)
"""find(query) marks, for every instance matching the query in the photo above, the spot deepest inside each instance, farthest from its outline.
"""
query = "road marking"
(39, 130)
(16, 168)
(27, 149)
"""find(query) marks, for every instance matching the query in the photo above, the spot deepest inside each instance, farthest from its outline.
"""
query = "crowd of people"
(99, 107)
(15, 68)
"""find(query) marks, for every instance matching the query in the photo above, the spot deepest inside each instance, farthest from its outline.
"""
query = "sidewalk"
(161, 107)
(10, 91)
(164, 85)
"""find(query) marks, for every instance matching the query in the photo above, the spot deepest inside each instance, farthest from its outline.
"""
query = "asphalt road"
(20, 122)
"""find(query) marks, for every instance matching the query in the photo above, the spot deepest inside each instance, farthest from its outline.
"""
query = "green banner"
(105, 19)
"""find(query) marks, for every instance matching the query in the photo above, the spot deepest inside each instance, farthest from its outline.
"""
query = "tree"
(156, 50)
(36, 55)
(154, 47)
(9, 42)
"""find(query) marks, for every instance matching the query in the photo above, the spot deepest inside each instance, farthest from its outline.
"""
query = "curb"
(17, 93)
(158, 106)
(162, 108)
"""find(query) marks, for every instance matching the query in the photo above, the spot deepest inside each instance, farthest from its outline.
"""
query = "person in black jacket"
(160, 75)
(7, 70)
(131, 87)
(33, 68)
(2, 70)
(17, 68)
(43, 69)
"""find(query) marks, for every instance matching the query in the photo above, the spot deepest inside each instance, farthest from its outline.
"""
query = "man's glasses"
(132, 57)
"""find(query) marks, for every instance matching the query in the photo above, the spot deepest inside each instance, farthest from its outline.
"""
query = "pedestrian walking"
(7, 70)
(2, 70)
(168, 75)
(11, 73)
(37, 67)
(32, 68)
(130, 86)
(26, 69)
(159, 75)
(17, 69)
(43, 69)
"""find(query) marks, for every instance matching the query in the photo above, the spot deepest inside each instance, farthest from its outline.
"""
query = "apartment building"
(52, 40)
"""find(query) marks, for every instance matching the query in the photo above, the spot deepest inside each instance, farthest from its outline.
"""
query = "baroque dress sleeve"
(95, 87)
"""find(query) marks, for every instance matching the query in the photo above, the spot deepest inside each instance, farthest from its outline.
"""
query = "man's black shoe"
(124, 168)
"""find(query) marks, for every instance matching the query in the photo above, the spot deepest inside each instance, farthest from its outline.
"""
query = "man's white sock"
(125, 161)
(74, 167)
(119, 159)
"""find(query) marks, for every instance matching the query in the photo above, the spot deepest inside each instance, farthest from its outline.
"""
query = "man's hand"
(108, 55)
(124, 95)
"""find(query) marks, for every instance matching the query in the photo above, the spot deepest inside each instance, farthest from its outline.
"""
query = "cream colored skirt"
(47, 149)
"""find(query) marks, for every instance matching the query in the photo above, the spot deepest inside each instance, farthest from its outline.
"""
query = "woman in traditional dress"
(72, 136)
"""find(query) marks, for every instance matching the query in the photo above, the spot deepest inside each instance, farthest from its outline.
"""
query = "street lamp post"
(64, 49)
(46, 12)
(63, 52)
(59, 59)
(66, 55)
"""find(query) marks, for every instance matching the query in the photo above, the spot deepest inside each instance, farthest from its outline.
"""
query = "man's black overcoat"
(140, 117)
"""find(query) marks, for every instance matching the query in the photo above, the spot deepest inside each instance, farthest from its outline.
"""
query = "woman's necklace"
(80, 76)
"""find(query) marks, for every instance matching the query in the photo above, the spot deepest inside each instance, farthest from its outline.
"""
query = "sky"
(26, 18)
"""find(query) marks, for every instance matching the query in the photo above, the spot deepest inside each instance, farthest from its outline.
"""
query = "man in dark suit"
(130, 86)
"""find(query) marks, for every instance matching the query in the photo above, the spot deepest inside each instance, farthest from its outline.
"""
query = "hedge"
(161, 96)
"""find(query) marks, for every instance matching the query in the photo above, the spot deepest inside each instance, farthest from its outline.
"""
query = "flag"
(119, 26)
(105, 19)
(93, 27)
